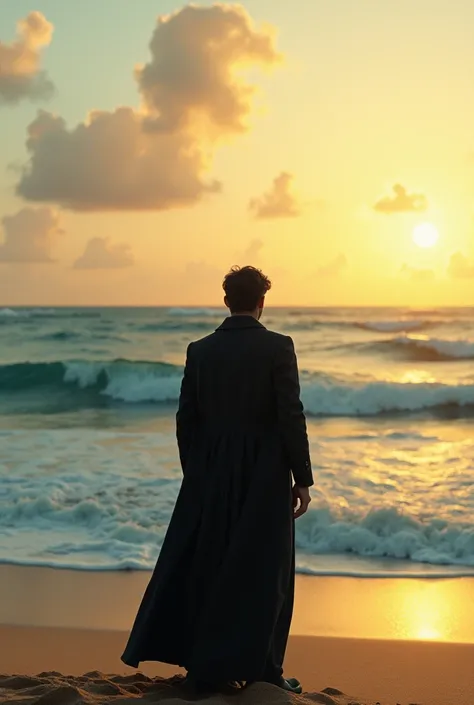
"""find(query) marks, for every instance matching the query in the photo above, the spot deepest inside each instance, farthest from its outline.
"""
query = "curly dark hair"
(244, 288)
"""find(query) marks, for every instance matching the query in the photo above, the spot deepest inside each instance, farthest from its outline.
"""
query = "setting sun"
(425, 235)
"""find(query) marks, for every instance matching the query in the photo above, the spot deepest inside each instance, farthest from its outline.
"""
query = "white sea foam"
(9, 313)
(26, 313)
(102, 500)
(201, 312)
(393, 326)
(111, 523)
(332, 398)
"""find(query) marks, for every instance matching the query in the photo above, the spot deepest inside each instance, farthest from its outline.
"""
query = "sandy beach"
(353, 641)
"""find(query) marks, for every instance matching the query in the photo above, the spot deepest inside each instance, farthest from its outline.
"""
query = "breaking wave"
(111, 521)
(144, 382)
(395, 326)
(434, 349)
(122, 380)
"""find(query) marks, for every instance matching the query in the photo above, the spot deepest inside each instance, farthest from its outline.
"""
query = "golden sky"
(147, 147)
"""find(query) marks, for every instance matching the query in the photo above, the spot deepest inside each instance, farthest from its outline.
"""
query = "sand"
(55, 689)
(349, 636)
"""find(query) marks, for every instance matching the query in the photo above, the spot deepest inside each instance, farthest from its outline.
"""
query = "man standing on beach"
(220, 600)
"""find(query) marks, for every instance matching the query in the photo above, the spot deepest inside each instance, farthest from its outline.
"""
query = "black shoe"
(292, 685)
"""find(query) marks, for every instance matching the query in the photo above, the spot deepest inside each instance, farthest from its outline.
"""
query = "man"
(220, 600)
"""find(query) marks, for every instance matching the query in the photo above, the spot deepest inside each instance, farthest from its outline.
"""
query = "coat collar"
(239, 322)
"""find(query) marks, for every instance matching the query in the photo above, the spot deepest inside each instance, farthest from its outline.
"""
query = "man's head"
(245, 289)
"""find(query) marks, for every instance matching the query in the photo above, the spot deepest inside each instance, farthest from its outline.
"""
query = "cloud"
(20, 74)
(252, 252)
(194, 56)
(100, 253)
(30, 235)
(111, 163)
(401, 202)
(278, 202)
(333, 268)
(419, 275)
(460, 267)
(157, 157)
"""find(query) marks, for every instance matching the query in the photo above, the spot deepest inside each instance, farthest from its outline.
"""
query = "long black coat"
(220, 600)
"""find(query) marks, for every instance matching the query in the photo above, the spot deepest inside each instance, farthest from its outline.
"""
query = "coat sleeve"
(186, 416)
(291, 418)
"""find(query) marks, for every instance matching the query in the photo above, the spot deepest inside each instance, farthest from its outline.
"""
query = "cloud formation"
(100, 253)
(278, 202)
(20, 74)
(333, 268)
(460, 267)
(192, 73)
(157, 157)
(401, 202)
(111, 163)
(30, 235)
(418, 275)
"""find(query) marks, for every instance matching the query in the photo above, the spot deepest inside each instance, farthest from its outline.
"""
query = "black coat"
(220, 600)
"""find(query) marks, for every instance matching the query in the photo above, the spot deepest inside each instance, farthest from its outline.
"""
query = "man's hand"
(301, 500)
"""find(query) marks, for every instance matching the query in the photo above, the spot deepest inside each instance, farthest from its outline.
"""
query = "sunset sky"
(146, 146)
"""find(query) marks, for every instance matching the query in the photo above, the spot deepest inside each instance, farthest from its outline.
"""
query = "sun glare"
(425, 235)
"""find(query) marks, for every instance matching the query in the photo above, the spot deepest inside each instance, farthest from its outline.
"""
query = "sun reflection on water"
(416, 376)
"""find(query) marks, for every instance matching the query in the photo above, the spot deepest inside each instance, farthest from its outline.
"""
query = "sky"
(147, 146)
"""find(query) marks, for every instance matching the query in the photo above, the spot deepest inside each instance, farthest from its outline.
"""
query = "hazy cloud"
(252, 253)
(333, 268)
(279, 201)
(401, 202)
(100, 253)
(155, 158)
(30, 235)
(419, 275)
(20, 73)
(460, 267)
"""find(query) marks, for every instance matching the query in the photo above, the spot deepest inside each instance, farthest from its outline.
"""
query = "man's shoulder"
(270, 337)
(201, 343)
(278, 338)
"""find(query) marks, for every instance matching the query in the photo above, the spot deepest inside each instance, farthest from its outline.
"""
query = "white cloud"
(30, 235)
(278, 202)
(401, 202)
(20, 74)
(157, 157)
(100, 253)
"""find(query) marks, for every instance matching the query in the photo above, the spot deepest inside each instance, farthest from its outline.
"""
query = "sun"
(425, 235)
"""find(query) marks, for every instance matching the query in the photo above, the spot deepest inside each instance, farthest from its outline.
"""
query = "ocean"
(89, 470)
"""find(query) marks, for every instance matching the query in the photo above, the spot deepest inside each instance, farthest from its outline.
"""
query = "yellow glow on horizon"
(425, 235)
(429, 634)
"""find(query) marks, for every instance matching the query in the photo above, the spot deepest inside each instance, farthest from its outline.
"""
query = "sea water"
(89, 470)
